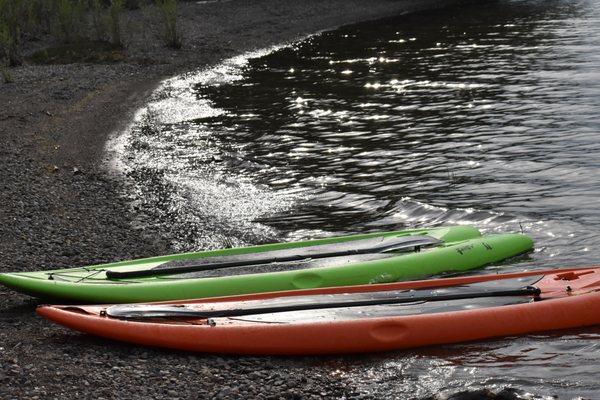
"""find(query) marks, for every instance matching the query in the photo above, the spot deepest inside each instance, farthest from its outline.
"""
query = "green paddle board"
(337, 261)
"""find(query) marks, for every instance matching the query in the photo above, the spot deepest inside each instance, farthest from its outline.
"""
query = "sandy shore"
(61, 207)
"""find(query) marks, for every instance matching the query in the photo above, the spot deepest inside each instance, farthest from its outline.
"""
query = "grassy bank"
(80, 24)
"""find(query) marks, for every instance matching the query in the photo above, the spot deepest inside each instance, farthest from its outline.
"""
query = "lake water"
(486, 114)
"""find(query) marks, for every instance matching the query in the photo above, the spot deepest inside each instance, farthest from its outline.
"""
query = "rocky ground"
(60, 206)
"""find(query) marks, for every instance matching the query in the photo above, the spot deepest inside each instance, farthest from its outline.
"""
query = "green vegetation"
(11, 14)
(134, 4)
(98, 21)
(6, 76)
(71, 20)
(168, 10)
(116, 6)
(77, 26)
(89, 52)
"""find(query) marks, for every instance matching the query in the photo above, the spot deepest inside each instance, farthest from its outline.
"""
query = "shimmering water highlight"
(484, 114)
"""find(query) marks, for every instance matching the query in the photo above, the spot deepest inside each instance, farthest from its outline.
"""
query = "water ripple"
(484, 115)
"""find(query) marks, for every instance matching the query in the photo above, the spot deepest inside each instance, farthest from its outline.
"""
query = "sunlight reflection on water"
(484, 115)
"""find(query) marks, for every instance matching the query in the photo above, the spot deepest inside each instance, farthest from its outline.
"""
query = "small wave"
(178, 168)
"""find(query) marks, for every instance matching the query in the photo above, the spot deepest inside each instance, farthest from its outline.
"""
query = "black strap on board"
(378, 244)
(181, 311)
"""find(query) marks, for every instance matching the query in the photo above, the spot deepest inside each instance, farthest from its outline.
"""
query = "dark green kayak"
(338, 261)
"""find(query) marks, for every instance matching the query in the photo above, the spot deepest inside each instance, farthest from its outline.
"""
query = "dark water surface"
(486, 114)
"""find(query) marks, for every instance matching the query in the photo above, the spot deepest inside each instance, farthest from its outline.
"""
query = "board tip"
(5, 278)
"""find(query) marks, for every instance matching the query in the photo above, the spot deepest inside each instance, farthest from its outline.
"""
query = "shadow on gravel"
(18, 311)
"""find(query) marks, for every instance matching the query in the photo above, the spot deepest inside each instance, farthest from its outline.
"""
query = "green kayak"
(338, 261)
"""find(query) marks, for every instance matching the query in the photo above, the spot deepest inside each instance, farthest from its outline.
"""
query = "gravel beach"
(62, 207)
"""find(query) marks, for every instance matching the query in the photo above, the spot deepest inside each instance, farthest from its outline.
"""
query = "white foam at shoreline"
(174, 100)
(207, 196)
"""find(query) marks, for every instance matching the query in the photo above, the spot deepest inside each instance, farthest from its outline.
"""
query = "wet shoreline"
(61, 207)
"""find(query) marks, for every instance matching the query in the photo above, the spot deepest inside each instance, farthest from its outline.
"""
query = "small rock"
(51, 168)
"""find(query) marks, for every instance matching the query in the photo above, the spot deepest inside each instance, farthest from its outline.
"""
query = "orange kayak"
(352, 319)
